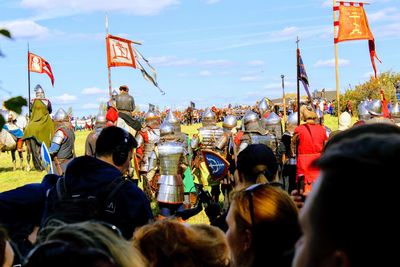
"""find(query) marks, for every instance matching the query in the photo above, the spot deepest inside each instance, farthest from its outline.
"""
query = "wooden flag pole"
(335, 29)
(283, 97)
(298, 80)
(29, 87)
(108, 68)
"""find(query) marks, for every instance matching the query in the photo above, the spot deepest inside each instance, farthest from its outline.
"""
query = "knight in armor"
(263, 108)
(255, 134)
(286, 154)
(363, 114)
(146, 139)
(395, 113)
(90, 144)
(170, 161)
(125, 105)
(273, 124)
(40, 126)
(185, 140)
(375, 109)
(226, 147)
(62, 145)
(206, 138)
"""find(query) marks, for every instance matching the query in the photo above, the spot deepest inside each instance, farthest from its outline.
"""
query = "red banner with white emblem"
(119, 52)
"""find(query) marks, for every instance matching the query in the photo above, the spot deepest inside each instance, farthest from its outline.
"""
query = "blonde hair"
(95, 235)
(170, 243)
(274, 227)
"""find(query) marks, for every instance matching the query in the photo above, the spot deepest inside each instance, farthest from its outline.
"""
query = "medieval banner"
(353, 25)
(119, 52)
(39, 65)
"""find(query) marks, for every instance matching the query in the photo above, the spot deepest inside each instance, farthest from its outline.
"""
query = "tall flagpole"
(109, 69)
(336, 64)
(29, 87)
(298, 81)
(283, 97)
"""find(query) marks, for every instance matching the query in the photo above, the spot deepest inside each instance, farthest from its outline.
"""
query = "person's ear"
(247, 239)
(338, 258)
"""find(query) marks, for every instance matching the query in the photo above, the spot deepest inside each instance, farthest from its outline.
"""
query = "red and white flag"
(40, 65)
(119, 52)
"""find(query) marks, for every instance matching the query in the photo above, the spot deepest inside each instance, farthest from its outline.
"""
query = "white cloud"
(64, 99)
(387, 30)
(137, 7)
(288, 31)
(25, 29)
(102, 99)
(210, 2)
(386, 14)
(205, 73)
(256, 63)
(251, 78)
(330, 63)
(90, 106)
(279, 85)
(216, 62)
(93, 91)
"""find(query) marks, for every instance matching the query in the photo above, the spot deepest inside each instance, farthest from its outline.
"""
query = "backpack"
(72, 208)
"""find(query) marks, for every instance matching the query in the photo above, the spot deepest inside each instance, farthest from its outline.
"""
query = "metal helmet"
(230, 122)
(251, 121)
(173, 120)
(114, 93)
(263, 106)
(61, 115)
(395, 110)
(166, 128)
(101, 119)
(208, 117)
(150, 115)
(273, 119)
(375, 107)
(292, 119)
(39, 91)
(363, 113)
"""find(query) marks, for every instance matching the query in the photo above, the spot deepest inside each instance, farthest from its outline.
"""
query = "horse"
(8, 142)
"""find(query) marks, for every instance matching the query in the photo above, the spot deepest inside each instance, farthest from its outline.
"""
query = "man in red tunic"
(309, 139)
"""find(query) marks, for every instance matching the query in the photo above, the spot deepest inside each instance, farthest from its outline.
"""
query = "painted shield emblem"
(46, 159)
(216, 165)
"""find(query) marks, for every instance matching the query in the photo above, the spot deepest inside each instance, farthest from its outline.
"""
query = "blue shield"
(46, 159)
(216, 165)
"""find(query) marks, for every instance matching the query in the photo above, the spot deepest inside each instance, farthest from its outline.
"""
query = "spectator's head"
(349, 217)
(263, 227)
(6, 251)
(115, 145)
(255, 164)
(94, 236)
(170, 243)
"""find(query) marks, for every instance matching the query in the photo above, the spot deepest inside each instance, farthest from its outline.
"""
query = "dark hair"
(257, 154)
(124, 88)
(357, 199)
(116, 142)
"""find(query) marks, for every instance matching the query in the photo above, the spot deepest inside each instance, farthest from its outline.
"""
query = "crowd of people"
(276, 192)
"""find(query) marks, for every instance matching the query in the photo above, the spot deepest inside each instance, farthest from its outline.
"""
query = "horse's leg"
(28, 155)
(13, 159)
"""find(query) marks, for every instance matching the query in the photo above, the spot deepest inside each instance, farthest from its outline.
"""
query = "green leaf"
(5, 33)
(15, 104)
(2, 122)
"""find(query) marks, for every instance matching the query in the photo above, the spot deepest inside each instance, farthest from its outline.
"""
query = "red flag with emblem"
(353, 25)
(119, 52)
(40, 65)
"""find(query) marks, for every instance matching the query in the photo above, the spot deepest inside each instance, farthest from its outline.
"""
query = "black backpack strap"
(61, 188)
(114, 188)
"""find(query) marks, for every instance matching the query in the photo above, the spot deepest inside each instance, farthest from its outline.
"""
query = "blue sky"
(212, 52)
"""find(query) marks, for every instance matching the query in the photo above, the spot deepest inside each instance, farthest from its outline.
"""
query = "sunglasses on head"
(253, 188)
